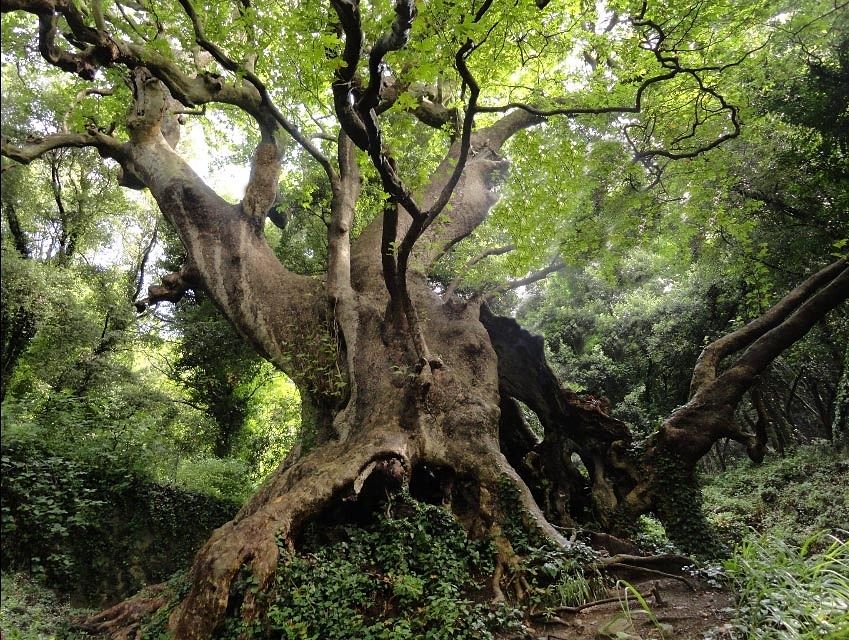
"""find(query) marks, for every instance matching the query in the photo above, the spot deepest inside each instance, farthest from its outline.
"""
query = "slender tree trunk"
(17, 326)
(840, 426)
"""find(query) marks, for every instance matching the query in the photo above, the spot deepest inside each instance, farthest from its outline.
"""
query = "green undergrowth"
(791, 592)
(555, 577)
(409, 573)
(791, 498)
(788, 522)
(96, 532)
(29, 611)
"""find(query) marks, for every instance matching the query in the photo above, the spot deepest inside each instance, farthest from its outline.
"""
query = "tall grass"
(788, 592)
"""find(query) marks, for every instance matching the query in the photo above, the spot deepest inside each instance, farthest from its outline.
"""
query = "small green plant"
(651, 536)
(556, 576)
(789, 592)
(630, 592)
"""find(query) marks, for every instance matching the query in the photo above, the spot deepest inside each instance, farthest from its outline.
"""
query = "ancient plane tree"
(401, 384)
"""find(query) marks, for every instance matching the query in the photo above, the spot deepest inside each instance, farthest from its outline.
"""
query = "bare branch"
(493, 251)
(534, 276)
(666, 55)
(137, 279)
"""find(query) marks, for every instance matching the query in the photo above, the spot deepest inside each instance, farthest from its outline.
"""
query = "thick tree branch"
(429, 109)
(569, 421)
(19, 236)
(743, 373)
(103, 50)
(387, 249)
(393, 40)
(355, 107)
(261, 190)
(707, 365)
(345, 193)
(34, 148)
(172, 288)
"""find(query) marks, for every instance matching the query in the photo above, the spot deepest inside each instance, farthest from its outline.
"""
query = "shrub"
(96, 532)
(792, 497)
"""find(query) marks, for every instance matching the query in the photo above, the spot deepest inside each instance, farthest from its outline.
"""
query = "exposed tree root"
(122, 621)
(671, 561)
(587, 605)
(654, 572)
(249, 542)
(646, 564)
(471, 480)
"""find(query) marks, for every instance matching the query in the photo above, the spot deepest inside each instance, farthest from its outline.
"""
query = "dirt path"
(682, 614)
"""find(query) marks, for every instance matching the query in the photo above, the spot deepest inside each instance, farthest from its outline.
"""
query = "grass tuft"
(792, 592)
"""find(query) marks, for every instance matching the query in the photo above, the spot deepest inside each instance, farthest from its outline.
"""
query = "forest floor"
(681, 614)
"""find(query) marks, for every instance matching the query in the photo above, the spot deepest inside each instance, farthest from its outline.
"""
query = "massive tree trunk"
(378, 411)
(396, 380)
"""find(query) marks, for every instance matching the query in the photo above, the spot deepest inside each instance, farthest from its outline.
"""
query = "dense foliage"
(786, 521)
(96, 530)
(789, 591)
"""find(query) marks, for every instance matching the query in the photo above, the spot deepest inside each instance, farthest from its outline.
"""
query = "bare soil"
(681, 614)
